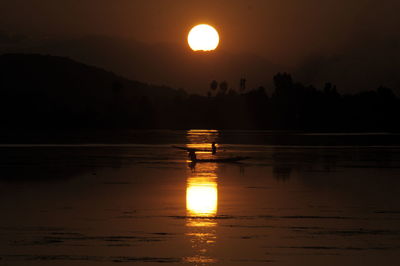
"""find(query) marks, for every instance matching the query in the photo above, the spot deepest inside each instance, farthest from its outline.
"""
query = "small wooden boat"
(190, 149)
(222, 160)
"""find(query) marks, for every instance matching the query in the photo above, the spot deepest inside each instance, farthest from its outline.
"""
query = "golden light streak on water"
(202, 201)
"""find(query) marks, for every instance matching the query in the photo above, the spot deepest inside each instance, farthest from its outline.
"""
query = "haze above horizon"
(353, 43)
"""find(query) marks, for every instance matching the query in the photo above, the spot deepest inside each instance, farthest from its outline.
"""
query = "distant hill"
(353, 70)
(48, 92)
(52, 91)
(173, 65)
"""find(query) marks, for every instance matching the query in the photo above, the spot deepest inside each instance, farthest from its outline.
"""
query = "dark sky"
(281, 30)
(285, 32)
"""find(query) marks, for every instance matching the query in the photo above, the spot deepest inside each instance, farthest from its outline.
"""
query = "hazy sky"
(284, 31)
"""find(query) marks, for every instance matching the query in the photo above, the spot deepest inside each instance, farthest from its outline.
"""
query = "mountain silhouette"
(49, 91)
(353, 69)
(162, 63)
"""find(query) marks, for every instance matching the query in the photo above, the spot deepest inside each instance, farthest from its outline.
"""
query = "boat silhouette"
(222, 160)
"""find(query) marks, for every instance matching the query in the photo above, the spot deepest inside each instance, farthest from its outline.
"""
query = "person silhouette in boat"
(214, 148)
(192, 156)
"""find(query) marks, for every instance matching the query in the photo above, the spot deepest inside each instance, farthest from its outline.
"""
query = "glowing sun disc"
(203, 37)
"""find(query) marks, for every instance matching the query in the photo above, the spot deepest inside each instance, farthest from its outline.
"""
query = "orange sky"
(283, 31)
(354, 43)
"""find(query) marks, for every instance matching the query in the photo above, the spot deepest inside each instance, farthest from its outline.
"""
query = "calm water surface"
(144, 204)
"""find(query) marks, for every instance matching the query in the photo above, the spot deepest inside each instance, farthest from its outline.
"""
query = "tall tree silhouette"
(223, 87)
(242, 84)
(214, 85)
(283, 84)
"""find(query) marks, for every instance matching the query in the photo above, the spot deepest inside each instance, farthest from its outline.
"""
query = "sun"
(203, 37)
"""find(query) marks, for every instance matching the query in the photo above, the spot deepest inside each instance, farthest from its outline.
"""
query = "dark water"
(302, 199)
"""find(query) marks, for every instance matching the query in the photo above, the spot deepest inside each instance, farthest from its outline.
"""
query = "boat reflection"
(202, 203)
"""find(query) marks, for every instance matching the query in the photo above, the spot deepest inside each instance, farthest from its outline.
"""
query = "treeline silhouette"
(39, 92)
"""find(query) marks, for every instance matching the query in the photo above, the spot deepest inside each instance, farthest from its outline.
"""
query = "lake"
(301, 199)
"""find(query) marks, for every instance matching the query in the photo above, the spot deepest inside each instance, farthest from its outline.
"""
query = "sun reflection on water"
(202, 202)
(202, 198)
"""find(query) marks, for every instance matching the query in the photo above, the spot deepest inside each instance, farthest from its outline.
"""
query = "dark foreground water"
(303, 200)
